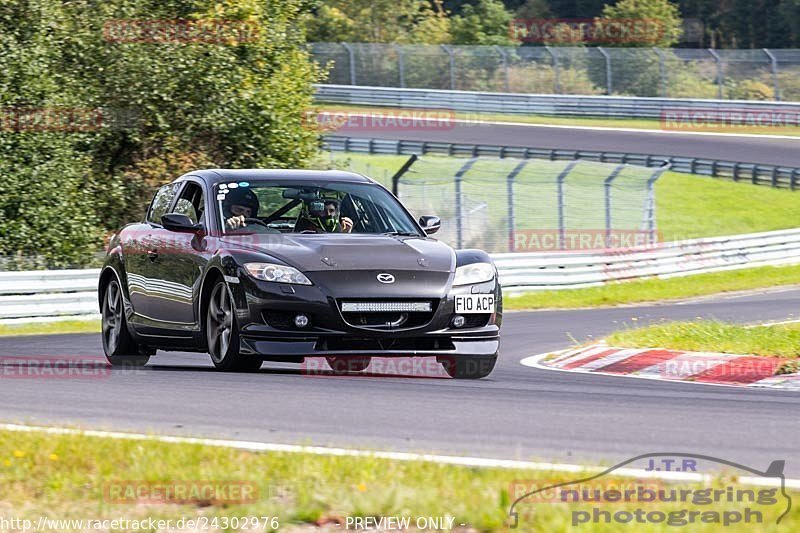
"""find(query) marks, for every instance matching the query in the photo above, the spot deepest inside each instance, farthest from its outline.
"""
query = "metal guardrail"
(771, 175)
(558, 105)
(39, 294)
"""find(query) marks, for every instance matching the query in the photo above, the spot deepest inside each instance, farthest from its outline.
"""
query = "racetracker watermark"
(196, 492)
(687, 119)
(679, 496)
(417, 367)
(587, 31)
(54, 367)
(65, 119)
(390, 120)
(580, 240)
(178, 31)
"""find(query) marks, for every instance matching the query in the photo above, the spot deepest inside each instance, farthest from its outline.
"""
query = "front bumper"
(329, 334)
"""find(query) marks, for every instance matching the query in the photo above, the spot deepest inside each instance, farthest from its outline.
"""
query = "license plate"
(475, 303)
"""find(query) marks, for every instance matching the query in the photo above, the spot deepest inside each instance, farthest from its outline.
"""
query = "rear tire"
(345, 365)
(469, 366)
(222, 334)
(118, 346)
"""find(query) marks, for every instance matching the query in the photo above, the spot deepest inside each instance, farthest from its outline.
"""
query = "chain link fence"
(512, 205)
(649, 72)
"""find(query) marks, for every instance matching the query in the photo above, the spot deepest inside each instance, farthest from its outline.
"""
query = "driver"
(239, 205)
(322, 216)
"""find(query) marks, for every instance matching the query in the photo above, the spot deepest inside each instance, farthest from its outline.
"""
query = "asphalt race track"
(516, 413)
(768, 151)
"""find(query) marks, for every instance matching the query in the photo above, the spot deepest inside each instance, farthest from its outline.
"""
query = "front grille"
(387, 315)
(402, 344)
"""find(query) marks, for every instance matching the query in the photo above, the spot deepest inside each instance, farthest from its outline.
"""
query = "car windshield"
(310, 207)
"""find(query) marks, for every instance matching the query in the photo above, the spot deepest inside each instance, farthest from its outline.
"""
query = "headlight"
(474, 273)
(277, 273)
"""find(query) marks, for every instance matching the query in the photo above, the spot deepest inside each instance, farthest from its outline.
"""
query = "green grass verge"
(687, 206)
(654, 290)
(50, 328)
(781, 340)
(637, 123)
(73, 477)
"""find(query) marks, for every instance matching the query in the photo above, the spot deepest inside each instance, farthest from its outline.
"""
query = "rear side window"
(160, 203)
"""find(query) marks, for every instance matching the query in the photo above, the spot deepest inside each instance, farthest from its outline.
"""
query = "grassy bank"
(686, 206)
(781, 340)
(657, 290)
(50, 328)
(63, 477)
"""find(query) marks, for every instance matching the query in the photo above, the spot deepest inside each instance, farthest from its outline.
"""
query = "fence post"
(510, 197)
(460, 202)
(352, 61)
(774, 62)
(504, 55)
(555, 69)
(651, 201)
(607, 187)
(452, 66)
(607, 57)
(720, 78)
(400, 65)
(662, 69)
(562, 228)
(402, 170)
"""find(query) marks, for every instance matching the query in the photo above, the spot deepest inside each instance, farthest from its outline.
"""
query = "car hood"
(322, 252)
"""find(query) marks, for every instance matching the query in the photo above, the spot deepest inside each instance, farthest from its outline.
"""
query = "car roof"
(216, 175)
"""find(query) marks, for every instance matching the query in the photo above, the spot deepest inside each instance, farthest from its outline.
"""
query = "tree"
(663, 12)
(487, 23)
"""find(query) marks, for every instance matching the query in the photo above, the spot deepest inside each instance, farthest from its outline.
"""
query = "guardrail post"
(662, 69)
(793, 178)
(607, 57)
(562, 227)
(352, 62)
(557, 77)
(504, 55)
(651, 202)
(720, 78)
(401, 70)
(460, 202)
(774, 67)
(607, 188)
(452, 65)
(510, 197)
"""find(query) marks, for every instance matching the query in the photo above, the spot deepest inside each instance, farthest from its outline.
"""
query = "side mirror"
(179, 223)
(430, 224)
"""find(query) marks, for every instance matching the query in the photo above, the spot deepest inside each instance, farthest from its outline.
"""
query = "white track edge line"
(482, 462)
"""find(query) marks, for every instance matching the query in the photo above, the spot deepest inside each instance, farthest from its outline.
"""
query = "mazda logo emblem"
(385, 278)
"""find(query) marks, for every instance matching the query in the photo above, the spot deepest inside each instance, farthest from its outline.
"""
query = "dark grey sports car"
(254, 265)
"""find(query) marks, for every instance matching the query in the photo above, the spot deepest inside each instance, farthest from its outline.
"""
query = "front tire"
(222, 334)
(118, 346)
(469, 366)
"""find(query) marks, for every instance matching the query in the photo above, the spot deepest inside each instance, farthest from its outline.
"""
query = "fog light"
(301, 321)
(459, 321)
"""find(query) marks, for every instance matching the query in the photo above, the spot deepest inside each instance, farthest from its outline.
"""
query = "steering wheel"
(256, 221)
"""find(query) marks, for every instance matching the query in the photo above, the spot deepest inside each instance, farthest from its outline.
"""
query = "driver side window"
(191, 203)
(160, 204)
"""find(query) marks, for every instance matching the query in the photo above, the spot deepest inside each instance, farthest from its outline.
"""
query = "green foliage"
(662, 11)
(186, 104)
(487, 22)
